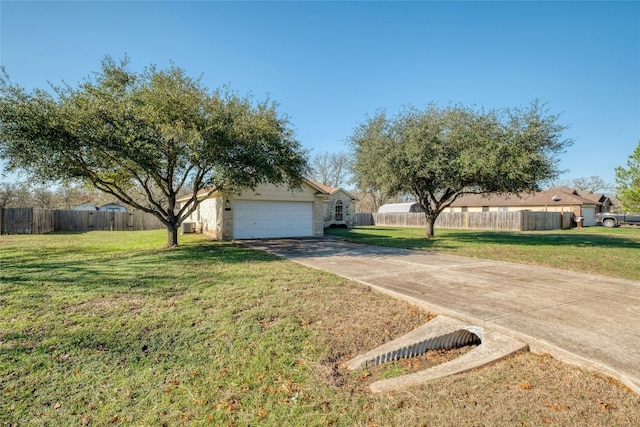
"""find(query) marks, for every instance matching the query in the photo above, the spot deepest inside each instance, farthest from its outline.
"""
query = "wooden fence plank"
(17, 221)
(505, 221)
(38, 221)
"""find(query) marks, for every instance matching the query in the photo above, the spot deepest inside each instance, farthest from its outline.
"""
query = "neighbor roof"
(560, 195)
(396, 207)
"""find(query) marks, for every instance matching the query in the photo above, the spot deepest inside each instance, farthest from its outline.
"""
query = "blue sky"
(329, 64)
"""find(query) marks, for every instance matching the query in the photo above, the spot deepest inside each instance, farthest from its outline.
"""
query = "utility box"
(188, 227)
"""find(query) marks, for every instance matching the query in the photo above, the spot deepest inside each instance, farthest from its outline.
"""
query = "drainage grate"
(457, 339)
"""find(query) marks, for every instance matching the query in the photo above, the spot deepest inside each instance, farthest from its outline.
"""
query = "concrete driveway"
(583, 319)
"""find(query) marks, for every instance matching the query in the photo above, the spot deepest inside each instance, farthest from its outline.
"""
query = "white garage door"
(259, 219)
(589, 215)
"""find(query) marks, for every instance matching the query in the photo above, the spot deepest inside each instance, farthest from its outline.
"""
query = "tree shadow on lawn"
(128, 268)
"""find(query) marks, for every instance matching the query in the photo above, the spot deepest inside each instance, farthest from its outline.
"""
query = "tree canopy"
(628, 182)
(439, 154)
(157, 132)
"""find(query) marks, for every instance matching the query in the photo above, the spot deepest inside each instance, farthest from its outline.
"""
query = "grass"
(597, 250)
(108, 329)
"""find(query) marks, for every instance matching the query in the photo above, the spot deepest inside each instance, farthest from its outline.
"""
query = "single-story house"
(113, 207)
(560, 199)
(400, 207)
(272, 211)
(85, 207)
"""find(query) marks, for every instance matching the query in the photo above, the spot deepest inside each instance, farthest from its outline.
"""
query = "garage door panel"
(589, 215)
(260, 219)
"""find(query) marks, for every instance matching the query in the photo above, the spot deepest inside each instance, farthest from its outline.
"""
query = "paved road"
(579, 318)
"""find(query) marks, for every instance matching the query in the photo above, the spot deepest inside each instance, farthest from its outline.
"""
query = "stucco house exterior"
(272, 211)
(560, 199)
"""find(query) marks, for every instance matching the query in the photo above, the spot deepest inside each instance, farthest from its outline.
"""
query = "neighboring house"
(560, 199)
(113, 207)
(85, 207)
(400, 207)
(272, 211)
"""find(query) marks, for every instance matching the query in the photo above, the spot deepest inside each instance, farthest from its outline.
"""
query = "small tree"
(156, 132)
(628, 182)
(440, 154)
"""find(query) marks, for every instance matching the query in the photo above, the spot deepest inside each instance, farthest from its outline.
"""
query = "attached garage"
(255, 219)
(268, 211)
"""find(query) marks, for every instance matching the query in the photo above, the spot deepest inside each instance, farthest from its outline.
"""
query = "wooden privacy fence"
(39, 221)
(507, 221)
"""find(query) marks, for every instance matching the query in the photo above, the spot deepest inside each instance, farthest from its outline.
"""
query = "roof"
(85, 206)
(397, 207)
(560, 195)
(323, 189)
(331, 190)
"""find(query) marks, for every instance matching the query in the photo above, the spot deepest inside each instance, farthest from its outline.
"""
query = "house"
(560, 199)
(400, 207)
(85, 207)
(272, 211)
(113, 207)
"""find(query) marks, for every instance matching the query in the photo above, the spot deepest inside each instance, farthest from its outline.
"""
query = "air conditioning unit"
(188, 227)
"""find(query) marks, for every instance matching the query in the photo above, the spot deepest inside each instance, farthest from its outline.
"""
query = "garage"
(253, 219)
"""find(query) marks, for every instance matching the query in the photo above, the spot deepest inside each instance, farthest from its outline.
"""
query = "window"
(485, 209)
(338, 216)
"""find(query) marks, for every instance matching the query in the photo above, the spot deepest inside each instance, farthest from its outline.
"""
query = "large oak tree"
(159, 132)
(439, 154)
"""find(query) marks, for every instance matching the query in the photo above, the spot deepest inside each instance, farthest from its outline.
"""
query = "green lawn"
(598, 250)
(107, 328)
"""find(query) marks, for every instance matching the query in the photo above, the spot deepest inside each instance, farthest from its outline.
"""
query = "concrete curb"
(535, 345)
(493, 347)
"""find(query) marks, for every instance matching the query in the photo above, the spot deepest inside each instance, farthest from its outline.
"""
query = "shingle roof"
(330, 190)
(560, 195)
(323, 188)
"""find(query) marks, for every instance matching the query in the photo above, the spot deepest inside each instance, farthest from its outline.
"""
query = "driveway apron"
(579, 318)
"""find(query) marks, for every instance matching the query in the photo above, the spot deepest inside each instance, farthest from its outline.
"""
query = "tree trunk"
(430, 226)
(172, 235)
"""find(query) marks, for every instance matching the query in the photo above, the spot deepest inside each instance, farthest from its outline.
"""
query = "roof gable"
(211, 192)
(331, 190)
